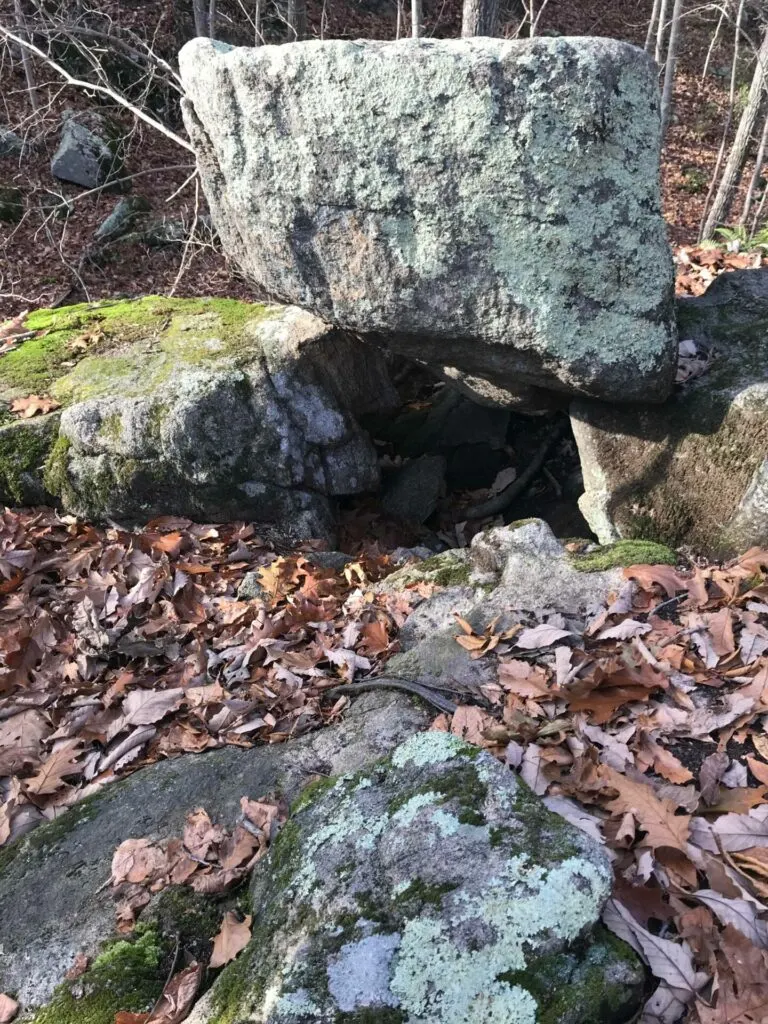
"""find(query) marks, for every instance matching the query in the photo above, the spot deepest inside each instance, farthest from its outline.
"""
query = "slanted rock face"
(696, 470)
(433, 888)
(210, 408)
(482, 204)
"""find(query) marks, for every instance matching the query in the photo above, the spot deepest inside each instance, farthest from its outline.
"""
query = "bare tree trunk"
(211, 18)
(297, 18)
(258, 37)
(660, 31)
(480, 18)
(728, 119)
(722, 204)
(416, 19)
(200, 14)
(26, 60)
(759, 161)
(652, 25)
(400, 19)
(669, 70)
(714, 40)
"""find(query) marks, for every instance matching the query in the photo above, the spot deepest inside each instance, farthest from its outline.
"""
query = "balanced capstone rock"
(482, 204)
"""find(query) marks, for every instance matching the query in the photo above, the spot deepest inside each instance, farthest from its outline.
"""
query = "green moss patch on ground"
(624, 553)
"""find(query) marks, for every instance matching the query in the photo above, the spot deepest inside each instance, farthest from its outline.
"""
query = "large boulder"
(52, 882)
(215, 409)
(694, 471)
(433, 888)
(483, 204)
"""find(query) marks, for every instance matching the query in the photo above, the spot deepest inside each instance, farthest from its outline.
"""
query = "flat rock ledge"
(431, 888)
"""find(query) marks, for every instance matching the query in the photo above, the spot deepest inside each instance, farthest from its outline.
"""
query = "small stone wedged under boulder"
(694, 471)
(431, 888)
(215, 409)
(52, 882)
(89, 150)
(486, 205)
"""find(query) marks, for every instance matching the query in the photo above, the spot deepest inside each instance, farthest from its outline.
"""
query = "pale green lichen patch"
(381, 896)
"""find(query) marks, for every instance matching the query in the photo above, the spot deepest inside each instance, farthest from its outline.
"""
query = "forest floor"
(40, 257)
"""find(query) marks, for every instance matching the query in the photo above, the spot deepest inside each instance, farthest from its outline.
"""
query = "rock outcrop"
(694, 471)
(432, 888)
(55, 904)
(215, 409)
(486, 205)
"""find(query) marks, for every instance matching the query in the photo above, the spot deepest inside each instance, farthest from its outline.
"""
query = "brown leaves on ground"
(208, 858)
(697, 267)
(648, 732)
(34, 405)
(118, 648)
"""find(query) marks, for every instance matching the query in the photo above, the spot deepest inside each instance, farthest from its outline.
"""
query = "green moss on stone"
(24, 449)
(624, 553)
(56, 471)
(311, 792)
(173, 330)
(448, 569)
(51, 833)
(127, 975)
(425, 893)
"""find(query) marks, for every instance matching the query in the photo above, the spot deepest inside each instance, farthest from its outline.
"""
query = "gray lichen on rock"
(433, 887)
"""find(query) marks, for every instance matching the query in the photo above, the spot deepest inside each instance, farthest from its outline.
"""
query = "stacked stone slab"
(482, 204)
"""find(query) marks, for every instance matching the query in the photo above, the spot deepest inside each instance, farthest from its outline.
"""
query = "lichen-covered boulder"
(215, 409)
(505, 572)
(433, 888)
(694, 471)
(482, 204)
(52, 882)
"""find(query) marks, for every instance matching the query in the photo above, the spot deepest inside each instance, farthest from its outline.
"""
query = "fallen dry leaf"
(34, 405)
(232, 938)
(8, 1008)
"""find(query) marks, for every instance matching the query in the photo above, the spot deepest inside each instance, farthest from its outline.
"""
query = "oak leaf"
(34, 405)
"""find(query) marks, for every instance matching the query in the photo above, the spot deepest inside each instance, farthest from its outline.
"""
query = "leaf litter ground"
(646, 730)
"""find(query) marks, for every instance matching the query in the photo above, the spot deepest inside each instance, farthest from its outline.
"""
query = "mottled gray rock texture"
(482, 204)
(432, 888)
(52, 891)
(215, 409)
(694, 471)
(88, 152)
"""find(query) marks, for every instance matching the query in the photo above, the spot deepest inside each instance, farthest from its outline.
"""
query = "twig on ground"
(425, 692)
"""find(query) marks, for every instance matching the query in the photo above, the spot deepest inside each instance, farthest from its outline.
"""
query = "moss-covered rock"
(433, 887)
(622, 554)
(128, 974)
(693, 471)
(212, 408)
